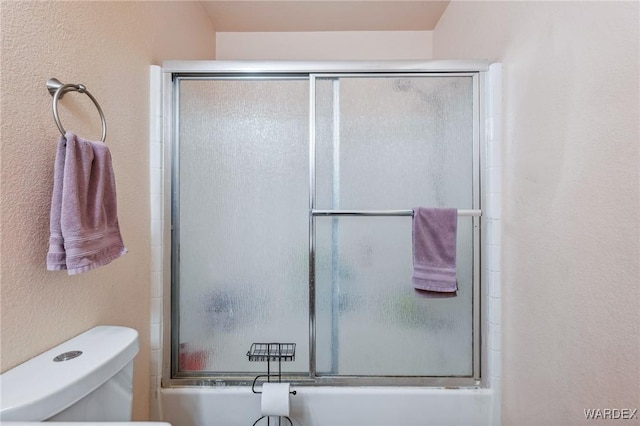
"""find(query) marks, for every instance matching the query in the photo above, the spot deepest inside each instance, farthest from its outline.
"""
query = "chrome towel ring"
(57, 90)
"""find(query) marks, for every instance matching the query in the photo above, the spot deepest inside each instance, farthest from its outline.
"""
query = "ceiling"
(324, 15)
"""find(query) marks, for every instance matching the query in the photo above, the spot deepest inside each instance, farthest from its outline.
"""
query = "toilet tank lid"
(42, 387)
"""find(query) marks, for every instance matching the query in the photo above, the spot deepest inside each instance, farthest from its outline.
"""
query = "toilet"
(86, 379)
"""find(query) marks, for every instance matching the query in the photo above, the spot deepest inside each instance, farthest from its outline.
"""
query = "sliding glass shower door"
(242, 231)
(391, 143)
(255, 158)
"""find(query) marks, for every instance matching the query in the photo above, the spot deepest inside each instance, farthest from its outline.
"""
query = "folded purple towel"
(434, 249)
(84, 222)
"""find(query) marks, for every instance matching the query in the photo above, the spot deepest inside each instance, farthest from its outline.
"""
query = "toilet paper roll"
(275, 399)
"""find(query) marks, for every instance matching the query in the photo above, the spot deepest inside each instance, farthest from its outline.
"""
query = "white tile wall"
(493, 215)
(157, 227)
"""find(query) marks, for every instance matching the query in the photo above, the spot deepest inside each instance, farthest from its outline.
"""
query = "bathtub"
(332, 406)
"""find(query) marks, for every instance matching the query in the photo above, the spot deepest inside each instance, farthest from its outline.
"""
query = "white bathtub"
(333, 406)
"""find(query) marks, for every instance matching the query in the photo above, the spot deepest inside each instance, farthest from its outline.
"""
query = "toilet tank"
(87, 378)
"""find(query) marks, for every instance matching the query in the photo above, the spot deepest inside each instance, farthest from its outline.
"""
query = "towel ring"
(57, 90)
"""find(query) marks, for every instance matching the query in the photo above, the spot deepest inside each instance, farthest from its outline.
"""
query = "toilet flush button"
(67, 356)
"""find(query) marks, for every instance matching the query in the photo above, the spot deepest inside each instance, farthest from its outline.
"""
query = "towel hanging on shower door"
(434, 249)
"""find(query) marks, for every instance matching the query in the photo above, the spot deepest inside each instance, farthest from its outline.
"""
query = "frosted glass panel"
(384, 327)
(391, 143)
(243, 229)
(395, 143)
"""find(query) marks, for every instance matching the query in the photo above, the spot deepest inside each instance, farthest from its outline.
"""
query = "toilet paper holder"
(253, 385)
(280, 352)
(256, 422)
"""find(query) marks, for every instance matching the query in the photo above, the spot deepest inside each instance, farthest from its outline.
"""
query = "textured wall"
(326, 45)
(108, 46)
(571, 299)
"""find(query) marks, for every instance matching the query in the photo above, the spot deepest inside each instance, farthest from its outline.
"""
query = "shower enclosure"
(291, 192)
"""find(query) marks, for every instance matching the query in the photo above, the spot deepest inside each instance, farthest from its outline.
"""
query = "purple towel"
(84, 222)
(434, 249)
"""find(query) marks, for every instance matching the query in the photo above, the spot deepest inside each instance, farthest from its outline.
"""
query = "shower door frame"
(174, 71)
